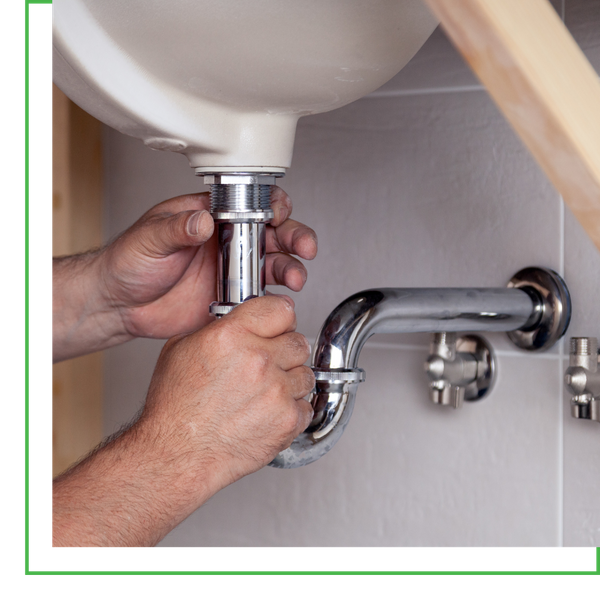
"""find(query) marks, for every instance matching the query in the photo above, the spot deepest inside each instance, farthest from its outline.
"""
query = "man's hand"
(159, 277)
(222, 403)
(233, 391)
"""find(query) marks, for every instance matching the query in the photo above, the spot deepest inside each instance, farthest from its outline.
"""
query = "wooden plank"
(538, 76)
(76, 227)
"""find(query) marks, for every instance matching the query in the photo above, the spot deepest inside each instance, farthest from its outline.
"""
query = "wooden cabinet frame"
(76, 227)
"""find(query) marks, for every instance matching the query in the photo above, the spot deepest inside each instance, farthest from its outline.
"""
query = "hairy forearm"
(211, 417)
(130, 492)
(82, 319)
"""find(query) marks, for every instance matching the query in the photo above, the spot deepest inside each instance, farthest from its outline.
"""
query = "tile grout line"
(561, 364)
(424, 347)
(561, 461)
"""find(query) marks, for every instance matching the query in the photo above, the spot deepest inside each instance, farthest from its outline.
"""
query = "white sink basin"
(224, 82)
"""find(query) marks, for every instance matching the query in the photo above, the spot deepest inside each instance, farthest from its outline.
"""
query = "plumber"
(226, 395)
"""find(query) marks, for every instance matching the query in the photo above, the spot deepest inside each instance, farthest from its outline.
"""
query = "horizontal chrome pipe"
(412, 310)
(535, 308)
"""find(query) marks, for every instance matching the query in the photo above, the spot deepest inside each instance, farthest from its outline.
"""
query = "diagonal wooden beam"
(540, 79)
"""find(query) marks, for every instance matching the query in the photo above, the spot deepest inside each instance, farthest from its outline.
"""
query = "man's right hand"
(232, 392)
(223, 402)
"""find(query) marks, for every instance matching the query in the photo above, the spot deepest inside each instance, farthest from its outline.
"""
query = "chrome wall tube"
(413, 310)
(536, 305)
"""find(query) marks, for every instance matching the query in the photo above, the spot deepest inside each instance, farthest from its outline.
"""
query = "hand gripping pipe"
(535, 308)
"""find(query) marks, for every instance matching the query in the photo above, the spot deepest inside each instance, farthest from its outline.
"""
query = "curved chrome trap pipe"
(536, 308)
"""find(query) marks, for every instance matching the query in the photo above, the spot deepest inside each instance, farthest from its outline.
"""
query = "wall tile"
(581, 438)
(408, 473)
(437, 65)
(582, 269)
(582, 17)
(434, 190)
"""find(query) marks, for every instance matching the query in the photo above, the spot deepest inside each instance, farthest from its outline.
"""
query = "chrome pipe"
(414, 310)
(240, 204)
(535, 308)
(240, 261)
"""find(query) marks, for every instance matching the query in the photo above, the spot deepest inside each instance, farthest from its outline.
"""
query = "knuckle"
(300, 344)
(223, 332)
(258, 363)
(288, 418)
(296, 341)
(306, 411)
(261, 315)
(294, 349)
(249, 314)
(302, 382)
(307, 379)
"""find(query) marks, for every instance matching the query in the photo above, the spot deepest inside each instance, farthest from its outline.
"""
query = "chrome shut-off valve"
(582, 378)
(459, 368)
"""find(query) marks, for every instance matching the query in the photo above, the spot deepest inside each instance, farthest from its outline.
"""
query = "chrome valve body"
(459, 368)
(582, 378)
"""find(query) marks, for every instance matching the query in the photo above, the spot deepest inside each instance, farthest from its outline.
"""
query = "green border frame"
(28, 571)
(26, 345)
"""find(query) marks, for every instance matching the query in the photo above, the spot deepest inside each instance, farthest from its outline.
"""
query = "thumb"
(267, 317)
(165, 235)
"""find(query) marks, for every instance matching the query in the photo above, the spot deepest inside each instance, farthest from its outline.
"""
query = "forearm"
(82, 318)
(211, 417)
(131, 492)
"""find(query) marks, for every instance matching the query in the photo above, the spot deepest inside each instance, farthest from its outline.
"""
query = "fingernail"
(281, 212)
(288, 300)
(193, 221)
(312, 252)
(197, 223)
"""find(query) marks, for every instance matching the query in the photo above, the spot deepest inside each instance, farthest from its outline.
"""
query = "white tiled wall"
(421, 184)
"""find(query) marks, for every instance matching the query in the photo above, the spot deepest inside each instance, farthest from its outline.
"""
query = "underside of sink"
(225, 82)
